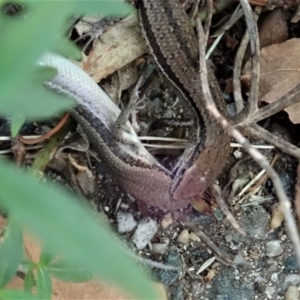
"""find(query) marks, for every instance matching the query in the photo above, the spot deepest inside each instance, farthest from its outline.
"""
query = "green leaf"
(40, 103)
(68, 226)
(46, 257)
(43, 284)
(11, 252)
(17, 122)
(16, 295)
(67, 271)
(23, 40)
(29, 281)
(18, 35)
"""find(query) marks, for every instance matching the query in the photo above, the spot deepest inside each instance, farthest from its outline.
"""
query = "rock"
(183, 237)
(167, 221)
(125, 221)
(270, 290)
(277, 216)
(291, 279)
(144, 233)
(159, 248)
(194, 237)
(273, 248)
(224, 286)
(292, 293)
(274, 277)
(291, 264)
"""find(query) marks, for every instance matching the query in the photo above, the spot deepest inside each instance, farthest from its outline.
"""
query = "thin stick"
(258, 132)
(292, 97)
(223, 206)
(221, 256)
(47, 135)
(209, 11)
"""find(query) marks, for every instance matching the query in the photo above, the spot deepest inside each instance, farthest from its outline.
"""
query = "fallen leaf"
(210, 275)
(279, 73)
(119, 45)
(273, 29)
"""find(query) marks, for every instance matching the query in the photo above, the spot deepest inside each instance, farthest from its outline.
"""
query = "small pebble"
(167, 221)
(238, 154)
(184, 237)
(159, 248)
(270, 290)
(277, 216)
(126, 222)
(292, 293)
(291, 279)
(273, 248)
(144, 233)
(194, 237)
(274, 277)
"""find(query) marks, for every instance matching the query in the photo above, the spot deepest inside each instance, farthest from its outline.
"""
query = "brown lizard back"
(173, 44)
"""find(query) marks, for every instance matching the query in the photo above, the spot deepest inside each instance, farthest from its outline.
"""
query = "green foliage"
(43, 284)
(29, 281)
(11, 253)
(65, 226)
(65, 271)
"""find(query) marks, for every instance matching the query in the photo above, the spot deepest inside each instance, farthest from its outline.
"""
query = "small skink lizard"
(173, 44)
(135, 170)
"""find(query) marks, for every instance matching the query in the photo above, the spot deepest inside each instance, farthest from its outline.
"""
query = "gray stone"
(291, 279)
(159, 248)
(224, 286)
(291, 264)
(125, 221)
(270, 290)
(144, 233)
(273, 248)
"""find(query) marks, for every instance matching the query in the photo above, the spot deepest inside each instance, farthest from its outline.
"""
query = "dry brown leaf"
(279, 73)
(273, 29)
(210, 275)
(119, 45)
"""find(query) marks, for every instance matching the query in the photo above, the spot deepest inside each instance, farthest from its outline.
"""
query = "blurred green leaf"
(68, 226)
(18, 35)
(43, 284)
(29, 281)
(46, 257)
(16, 295)
(23, 40)
(104, 7)
(36, 100)
(66, 271)
(17, 122)
(11, 252)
